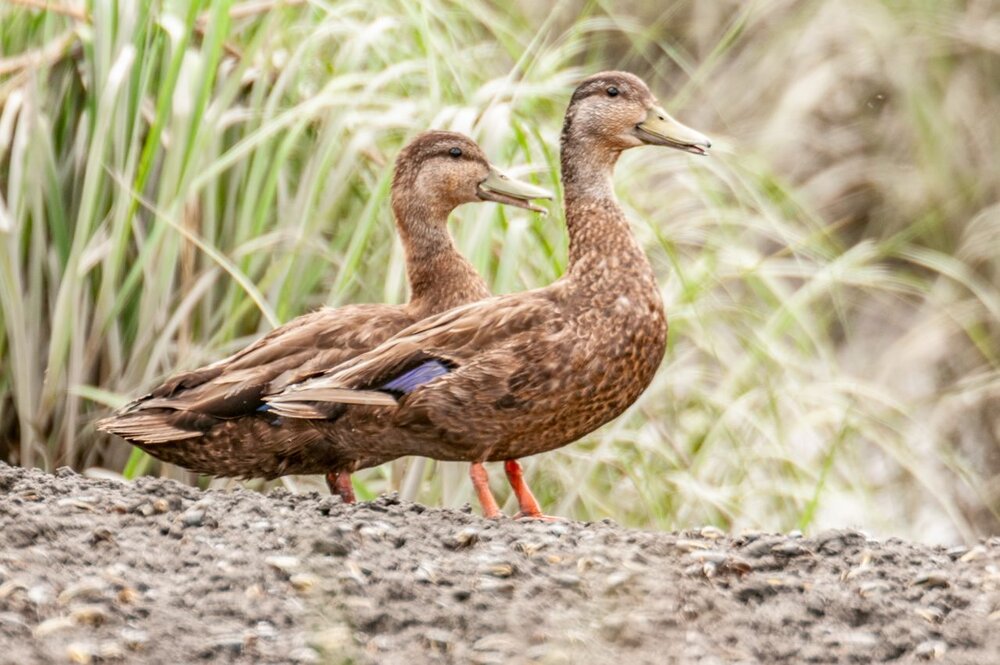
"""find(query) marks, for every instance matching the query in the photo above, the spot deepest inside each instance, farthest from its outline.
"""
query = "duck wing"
(189, 403)
(482, 340)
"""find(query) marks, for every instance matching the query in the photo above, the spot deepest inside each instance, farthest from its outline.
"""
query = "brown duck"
(210, 420)
(524, 373)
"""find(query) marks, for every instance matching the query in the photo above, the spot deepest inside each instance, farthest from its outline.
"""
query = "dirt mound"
(153, 571)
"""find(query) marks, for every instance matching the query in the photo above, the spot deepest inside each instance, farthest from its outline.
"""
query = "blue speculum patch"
(412, 379)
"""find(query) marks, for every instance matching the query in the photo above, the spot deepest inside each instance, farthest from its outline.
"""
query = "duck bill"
(501, 188)
(659, 128)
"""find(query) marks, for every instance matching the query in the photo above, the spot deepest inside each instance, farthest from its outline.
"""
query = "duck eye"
(612, 91)
(455, 152)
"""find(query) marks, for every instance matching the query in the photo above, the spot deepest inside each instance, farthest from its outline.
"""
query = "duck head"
(443, 170)
(618, 110)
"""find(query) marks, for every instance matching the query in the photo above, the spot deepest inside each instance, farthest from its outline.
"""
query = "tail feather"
(145, 427)
(295, 404)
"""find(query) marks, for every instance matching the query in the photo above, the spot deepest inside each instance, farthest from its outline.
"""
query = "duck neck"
(598, 229)
(440, 277)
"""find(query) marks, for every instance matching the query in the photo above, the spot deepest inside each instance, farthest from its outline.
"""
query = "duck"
(525, 373)
(213, 420)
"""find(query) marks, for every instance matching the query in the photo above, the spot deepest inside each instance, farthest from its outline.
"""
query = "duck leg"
(481, 483)
(526, 501)
(340, 484)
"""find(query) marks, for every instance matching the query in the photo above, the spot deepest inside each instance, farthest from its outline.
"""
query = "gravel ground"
(95, 571)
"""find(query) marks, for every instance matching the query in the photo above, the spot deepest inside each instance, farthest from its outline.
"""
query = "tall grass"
(176, 178)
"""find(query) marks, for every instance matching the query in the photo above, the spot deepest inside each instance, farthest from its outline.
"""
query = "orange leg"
(481, 483)
(525, 499)
(340, 484)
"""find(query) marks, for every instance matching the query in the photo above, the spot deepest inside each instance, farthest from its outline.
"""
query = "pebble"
(790, 549)
(90, 615)
(304, 582)
(193, 517)
(930, 614)
(439, 638)
(283, 563)
(462, 539)
(41, 594)
(686, 545)
(712, 532)
(976, 552)
(91, 588)
(335, 543)
(426, 572)
(304, 654)
(134, 638)
(934, 579)
(567, 580)
(709, 556)
(498, 569)
(930, 650)
(81, 653)
(53, 625)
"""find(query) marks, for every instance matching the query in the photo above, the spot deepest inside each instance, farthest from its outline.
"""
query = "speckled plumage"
(531, 371)
(208, 420)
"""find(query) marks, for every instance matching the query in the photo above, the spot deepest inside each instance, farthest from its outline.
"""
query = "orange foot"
(481, 483)
(340, 484)
(529, 509)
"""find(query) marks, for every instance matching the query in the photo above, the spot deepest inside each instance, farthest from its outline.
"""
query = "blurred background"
(176, 178)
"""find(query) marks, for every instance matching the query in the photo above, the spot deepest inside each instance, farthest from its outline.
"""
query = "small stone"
(567, 580)
(283, 563)
(304, 654)
(161, 506)
(976, 552)
(334, 544)
(462, 539)
(933, 580)
(709, 556)
(501, 569)
(265, 630)
(41, 594)
(89, 615)
(193, 517)
(957, 552)
(80, 653)
(231, 645)
(790, 549)
(711, 532)
(930, 614)
(528, 548)
(617, 580)
(101, 534)
(690, 545)
(868, 589)
(490, 585)
(134, 639)
(439, 639)
(558, 528)
(127, 595)
(930, 650)
(426, 572)
(304, 582)
(53, 625)
(91, 588)
(110, 651)
(332, 640)
(145, 509)
(498, 642)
